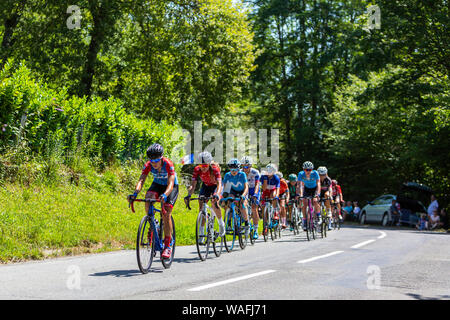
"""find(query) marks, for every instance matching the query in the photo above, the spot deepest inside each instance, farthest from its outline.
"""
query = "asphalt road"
(354, 263)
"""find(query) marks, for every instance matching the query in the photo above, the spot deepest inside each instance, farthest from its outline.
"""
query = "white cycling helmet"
(205, 157)
(246, 161)
(308, 165)
(279, 174)
(271, 169)
(322, 170)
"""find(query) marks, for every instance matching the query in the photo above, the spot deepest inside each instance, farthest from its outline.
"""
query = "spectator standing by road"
(434, 205)
(356, 210)
(348, 209)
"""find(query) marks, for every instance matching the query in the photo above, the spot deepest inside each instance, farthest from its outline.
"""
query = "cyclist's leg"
(283, 211)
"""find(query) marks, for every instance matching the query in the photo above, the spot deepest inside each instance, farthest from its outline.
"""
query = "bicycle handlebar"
(203, 198)
(131, 204)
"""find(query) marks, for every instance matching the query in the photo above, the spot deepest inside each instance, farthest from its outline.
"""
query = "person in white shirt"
(435, 220)
(434, 205)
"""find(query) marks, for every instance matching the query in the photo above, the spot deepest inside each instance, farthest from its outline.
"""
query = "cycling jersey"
(161, 177)
(283, 186)
(325, 184)
(336, 190)
(292, 190)
(235, 183)
(207, 178)
(253, 178)
(312, 181)
(272, 183)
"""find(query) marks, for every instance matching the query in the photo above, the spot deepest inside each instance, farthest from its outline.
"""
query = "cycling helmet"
(279, 174)
(155, 151)
(271, 169)
(292, 177)
(308, 165)
(234, 164)
(334, 182)
(205, 157)
(247, 161)
(322, 170)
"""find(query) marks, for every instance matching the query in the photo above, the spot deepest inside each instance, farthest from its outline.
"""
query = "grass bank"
(38, 222)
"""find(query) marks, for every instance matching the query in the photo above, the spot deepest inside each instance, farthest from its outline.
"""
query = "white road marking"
(359, 245)
(320, 257)
(211, 285)
(383, 235)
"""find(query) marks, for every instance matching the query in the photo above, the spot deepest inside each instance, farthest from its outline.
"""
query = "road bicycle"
(296, 216)
(336, 222)
(234, 224)
(206, 229)
(325, 219)
(150, 237)
(311, 220)
(270, 225)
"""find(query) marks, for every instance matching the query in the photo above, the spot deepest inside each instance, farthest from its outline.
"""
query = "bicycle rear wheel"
(243, 239)
(230, 234)
(168, 262)
(252, 231)
(145, 249)
(202, 236)
(217, 242)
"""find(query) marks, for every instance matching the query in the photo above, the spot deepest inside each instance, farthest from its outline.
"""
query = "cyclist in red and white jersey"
(209, 173)
(337, 196)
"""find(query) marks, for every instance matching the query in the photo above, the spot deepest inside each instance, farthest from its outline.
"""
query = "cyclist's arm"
(170, 184)
(245, 189)
(318, 187)
(256, 187)
(140, 183)
(277, 192)
(300, 188)
(219, 187)
(192, 187)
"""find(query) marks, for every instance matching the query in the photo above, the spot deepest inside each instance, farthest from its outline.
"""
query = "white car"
(377, 210)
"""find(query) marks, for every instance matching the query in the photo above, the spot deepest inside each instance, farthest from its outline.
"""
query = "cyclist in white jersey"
(253, 177)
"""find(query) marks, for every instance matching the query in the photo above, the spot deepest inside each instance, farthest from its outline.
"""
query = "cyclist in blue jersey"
(235, 184)
(164, 187)
(271, 189)
(308, 185)
(253, 178)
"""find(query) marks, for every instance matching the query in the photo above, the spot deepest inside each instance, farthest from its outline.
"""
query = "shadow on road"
(122, 273)
(420, 297)
(391, 228)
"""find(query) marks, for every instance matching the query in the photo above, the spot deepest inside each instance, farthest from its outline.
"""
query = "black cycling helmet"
(155, 151)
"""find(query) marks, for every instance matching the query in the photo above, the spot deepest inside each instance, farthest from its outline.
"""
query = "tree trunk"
(9, 28)
(99, 13)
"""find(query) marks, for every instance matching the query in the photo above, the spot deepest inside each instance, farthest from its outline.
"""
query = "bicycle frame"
(159, 245)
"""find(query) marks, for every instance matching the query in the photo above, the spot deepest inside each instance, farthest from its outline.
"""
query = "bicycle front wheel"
(168, 262)
(145, 245)
(243, 239)
(202, 236)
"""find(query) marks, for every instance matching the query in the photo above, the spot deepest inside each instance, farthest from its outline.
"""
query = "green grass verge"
(48, 221)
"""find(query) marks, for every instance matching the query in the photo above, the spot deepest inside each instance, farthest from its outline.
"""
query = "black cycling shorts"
(159, 189)
(309, 192)
(207, 191)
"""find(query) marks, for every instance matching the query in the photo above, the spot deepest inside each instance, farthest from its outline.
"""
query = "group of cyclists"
(243, 182)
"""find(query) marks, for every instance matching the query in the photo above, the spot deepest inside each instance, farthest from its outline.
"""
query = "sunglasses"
(155, 160)
(246, 167)
(204, 165)
(308, 170)
(234, 170)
